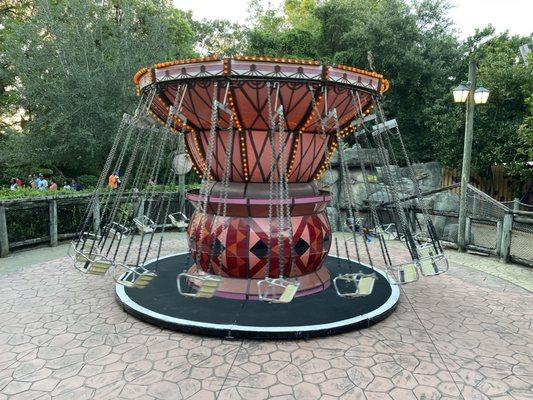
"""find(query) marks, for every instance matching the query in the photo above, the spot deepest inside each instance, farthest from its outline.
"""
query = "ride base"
(315, 314)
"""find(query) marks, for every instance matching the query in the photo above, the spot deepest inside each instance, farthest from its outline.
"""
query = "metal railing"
(26, 222)
(492, 228)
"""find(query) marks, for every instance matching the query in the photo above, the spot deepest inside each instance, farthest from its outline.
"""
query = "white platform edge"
(391, 301)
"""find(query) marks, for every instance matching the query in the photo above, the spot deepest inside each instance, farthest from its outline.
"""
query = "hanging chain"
(412, 174)
(223, 204)
(206, 176)
(358, 111)
(270, 179)
(284, 195)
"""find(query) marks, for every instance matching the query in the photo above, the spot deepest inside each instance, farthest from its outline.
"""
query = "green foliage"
(27, 224)
(27, 193)
(13, 14)
(68, 65)
(414, 47)
(75, 69)
(502, 127)
(88, 181)
(220, 37)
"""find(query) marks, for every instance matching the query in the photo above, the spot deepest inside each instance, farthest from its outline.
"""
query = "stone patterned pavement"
(464, 335)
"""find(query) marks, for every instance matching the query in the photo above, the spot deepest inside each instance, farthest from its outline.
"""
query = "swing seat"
(115, 228)
(433, 265)
(144, 224)
(405, 273)
(99, 266)
(84, 246)
(268, 290)
(89, 263)
(361, 284)
(207, 285)
(179, 220)
(135, 277)
(425, 251)
(385, 230)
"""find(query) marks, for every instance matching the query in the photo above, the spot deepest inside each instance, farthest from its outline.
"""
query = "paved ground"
(467, 334)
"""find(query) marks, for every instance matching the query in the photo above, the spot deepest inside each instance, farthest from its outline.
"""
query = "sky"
(514, 15)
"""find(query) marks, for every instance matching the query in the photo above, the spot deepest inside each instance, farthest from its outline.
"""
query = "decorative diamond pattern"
(243, 248)
(260, 249)
(301, 247)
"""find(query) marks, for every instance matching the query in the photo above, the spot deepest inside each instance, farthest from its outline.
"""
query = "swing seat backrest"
(425, 251)
(434, 265)
(347, 279)
(428, 267)
(365, 286)
(179, 220)
(116, 228)
(287, 295)
(144, 224)
(268, 290)
(136, 279)
(98, 266)
(206, 285)
(407, 273)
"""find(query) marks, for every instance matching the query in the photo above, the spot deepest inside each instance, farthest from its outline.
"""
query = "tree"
(220, 37)
(13, 14)
(502, 127)
(413, 46)
(272, 33)
(75, 71)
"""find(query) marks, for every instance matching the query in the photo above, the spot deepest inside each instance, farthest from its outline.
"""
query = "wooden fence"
(25, 222)
(498, 185)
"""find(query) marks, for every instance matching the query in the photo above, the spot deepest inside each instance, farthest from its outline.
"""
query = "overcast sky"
(514, 15)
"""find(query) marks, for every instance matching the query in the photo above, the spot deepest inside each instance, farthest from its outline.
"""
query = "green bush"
(47, 172)
(59, 179)
(88, 181)
(6, 194)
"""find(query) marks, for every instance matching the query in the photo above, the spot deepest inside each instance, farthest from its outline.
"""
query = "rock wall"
(428, 176)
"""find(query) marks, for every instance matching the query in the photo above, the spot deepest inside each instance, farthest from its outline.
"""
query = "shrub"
(87, 180)
(47, 172)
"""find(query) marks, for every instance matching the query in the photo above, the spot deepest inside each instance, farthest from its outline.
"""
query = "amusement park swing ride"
(260, 133)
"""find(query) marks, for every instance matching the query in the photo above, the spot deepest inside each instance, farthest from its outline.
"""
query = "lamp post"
(469, 94)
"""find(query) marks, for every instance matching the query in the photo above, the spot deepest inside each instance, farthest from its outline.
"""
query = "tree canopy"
(74, 61)
(68, 64)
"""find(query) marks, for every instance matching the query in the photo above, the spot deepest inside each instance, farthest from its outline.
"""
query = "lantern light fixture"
(460, 93)
(481, 95)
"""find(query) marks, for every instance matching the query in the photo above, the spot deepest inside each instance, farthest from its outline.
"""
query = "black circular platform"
(319, 314)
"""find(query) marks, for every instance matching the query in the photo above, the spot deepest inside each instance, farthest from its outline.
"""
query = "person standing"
(112, 182)
(76, 186)
(43, 183)
(37, 181)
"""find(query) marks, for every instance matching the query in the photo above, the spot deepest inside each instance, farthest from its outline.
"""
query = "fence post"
(4, 239)
(499, 238)
(516, 204)
(506, 237)
(140, 210)
(96, 217)
(52, 207)
(468, 231)
(412, 211)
